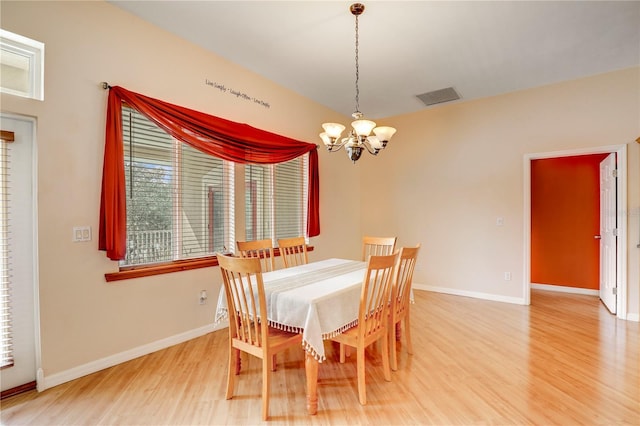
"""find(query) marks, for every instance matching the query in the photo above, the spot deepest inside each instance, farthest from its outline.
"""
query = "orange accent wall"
(565, 216)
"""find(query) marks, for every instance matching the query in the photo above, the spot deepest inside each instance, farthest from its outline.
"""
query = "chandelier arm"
(337, 146)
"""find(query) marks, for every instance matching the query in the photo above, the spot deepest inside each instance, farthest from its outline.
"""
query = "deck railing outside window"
(148, 247)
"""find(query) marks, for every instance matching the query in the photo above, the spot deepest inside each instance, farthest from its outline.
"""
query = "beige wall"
(83, 318)
(445, 177)
(451, 171)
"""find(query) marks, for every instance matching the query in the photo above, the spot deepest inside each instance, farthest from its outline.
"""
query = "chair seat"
(350, 338)
(277, 341)
(278, 338)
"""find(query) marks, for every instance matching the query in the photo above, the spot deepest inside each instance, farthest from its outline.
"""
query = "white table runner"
(321, 299)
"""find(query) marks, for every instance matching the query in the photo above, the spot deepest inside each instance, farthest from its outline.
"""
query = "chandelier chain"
(357, 71)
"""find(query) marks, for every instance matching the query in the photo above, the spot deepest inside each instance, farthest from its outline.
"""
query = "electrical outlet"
(507, 276)
(203, 297)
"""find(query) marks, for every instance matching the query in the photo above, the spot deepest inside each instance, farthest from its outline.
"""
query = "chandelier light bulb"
(384, 133)
(326, 139)
(363, 127)
(333, 130)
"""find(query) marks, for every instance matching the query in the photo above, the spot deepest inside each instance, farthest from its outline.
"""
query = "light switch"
(81, 233)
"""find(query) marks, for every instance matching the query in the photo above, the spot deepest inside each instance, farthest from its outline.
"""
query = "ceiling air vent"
(439, 96)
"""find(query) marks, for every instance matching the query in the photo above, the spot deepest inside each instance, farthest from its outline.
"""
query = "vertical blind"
(276, 199)
(179, 200)
(6, 344)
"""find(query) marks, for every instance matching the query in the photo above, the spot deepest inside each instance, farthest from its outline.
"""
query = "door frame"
(36, 275)
(621, 245)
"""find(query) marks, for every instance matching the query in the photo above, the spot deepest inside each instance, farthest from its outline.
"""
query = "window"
(224, 139)
(276, 200)
(21, 66)
(179, 200)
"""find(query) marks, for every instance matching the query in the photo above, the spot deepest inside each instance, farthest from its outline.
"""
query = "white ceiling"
(480, 48)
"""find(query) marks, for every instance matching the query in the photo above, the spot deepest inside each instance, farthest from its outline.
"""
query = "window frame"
(149, 269)
(147, 147)
(34, 52)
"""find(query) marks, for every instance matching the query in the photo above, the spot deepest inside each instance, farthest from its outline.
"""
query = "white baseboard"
(466, 293)
(563, 289)
(514, 300)
(46, 382)
(633, 317)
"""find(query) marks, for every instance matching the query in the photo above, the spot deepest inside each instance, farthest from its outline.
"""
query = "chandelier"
(359, 137)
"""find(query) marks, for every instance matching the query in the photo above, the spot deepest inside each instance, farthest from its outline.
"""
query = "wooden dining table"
(319, 299)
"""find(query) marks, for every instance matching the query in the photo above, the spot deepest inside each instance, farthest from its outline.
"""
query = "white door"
(22, 246)
(608, 232)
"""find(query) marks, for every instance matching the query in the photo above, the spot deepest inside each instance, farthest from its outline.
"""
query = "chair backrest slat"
(242, 278)
(376, 294)
(378, 246)
(260, 249)
(404, 279)
(293, 251)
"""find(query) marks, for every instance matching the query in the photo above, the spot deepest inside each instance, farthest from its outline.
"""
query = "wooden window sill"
(129, 272)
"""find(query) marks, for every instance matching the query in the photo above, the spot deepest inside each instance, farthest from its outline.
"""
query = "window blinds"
(276, 199)
(179, 200)
(6, 343)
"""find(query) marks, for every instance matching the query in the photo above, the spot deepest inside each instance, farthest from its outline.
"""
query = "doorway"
(621, 244)
(565, 222)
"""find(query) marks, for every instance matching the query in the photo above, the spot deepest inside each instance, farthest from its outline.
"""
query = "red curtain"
(216, 136)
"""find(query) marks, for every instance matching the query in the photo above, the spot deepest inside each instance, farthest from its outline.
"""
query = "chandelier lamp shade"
(360, 137)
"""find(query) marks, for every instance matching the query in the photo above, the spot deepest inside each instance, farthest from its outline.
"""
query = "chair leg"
(342, 353)
(266, 377)
(274, 363)
(385, 356)
(231, 370)
(392, 347)
(238, 366)
(407, 332)
(362, 390)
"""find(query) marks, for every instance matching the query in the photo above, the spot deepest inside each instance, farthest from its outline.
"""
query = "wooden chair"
(373, 318)
(293, 251)
(401, 301)
(378, 246)
(261, 249)
(248, 330)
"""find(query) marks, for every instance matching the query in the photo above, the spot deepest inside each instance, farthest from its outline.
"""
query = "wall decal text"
(237, 93)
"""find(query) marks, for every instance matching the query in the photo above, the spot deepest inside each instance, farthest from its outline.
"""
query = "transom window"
(21, 66)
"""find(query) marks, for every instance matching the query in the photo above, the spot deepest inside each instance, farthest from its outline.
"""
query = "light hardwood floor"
(564, 360)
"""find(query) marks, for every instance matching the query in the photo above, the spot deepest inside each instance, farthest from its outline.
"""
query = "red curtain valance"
(216, 136)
